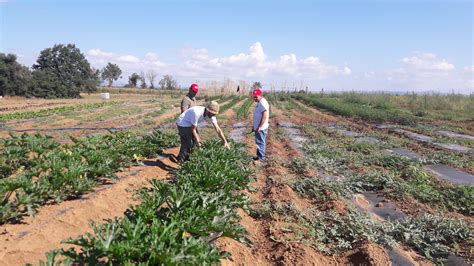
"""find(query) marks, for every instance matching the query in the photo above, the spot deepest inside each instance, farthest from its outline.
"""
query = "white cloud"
(128, 59)
(469, 69)
(427, 62)
(347, 71)
(99, 53)
(255, 64)
(419, 71)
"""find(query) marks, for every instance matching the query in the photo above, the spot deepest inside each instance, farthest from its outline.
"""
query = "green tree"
(62, 72)
(143, 80)
(133, 80)
(255, 85)
(168, 83)
(15, 79)
(111, 72)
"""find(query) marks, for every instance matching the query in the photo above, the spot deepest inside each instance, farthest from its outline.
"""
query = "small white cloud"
(469, 69)
(347, 71)
(128, 59)
(369, 74)
(427, 62)
(99, 53)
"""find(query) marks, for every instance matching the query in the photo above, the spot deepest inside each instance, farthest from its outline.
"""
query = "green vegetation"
(334, 233)
(110, 73)
(243, 111)
(133, 80)
(15, 79)
(235, 100)
(367, 112)
(62, 72)
(404, 109)
(402, 177)
(118, 90)
(51, 111)
(175, 222)
(36, 169)
(433, 236)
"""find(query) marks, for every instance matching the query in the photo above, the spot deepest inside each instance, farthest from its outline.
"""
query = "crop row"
(36, 170)
(402, 177)
(235, 100)
(219, 98)
(243, 111)
(51, 111)
(432, 236)
(366, 112)
(175, 223)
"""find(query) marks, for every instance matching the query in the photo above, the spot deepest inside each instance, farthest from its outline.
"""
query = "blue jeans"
(260, 140)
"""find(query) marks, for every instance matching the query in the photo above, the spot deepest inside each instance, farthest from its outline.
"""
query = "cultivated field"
(368, 179)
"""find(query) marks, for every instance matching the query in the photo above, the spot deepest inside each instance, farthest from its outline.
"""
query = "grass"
(406, 109)
(362, 111)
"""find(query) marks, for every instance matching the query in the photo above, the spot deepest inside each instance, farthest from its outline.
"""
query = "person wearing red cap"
(190, 99)
(260, 123)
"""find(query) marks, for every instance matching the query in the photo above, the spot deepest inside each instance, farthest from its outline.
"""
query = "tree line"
(62, 71)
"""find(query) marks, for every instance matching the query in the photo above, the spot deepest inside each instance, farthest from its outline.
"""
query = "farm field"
(349, 179)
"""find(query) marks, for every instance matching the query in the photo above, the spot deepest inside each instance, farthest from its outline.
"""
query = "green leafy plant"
(434, 236)
(175, 221)
(36, 169)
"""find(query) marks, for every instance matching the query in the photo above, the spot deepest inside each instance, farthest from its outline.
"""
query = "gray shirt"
(188, 102)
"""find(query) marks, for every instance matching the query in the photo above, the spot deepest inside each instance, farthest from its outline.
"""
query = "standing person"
(187, 127)
(261, 116)
(190, 99)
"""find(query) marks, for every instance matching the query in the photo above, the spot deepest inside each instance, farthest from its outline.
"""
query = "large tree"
(168, 83)
(15, 79)
(111, 72)
(133, 80)
(62, 72)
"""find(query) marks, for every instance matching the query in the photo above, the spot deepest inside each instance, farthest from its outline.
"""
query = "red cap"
(257, 92)
(194, 87)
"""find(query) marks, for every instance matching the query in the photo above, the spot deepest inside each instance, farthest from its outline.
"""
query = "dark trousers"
(187, 143)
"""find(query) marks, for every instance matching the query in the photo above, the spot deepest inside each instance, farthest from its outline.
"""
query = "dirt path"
(272, 243)
(29, 241)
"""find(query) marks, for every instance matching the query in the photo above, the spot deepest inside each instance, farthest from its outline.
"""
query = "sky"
(367, 45)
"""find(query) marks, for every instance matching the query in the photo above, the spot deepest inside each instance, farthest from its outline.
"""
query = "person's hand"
(198, 144)
(258, 130)
(227, 146)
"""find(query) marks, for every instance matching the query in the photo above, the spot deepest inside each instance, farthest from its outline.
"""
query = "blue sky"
(340, 45)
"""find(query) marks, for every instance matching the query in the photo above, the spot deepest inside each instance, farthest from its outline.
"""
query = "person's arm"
(220, 134)
(196, 135)
(262, 121)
